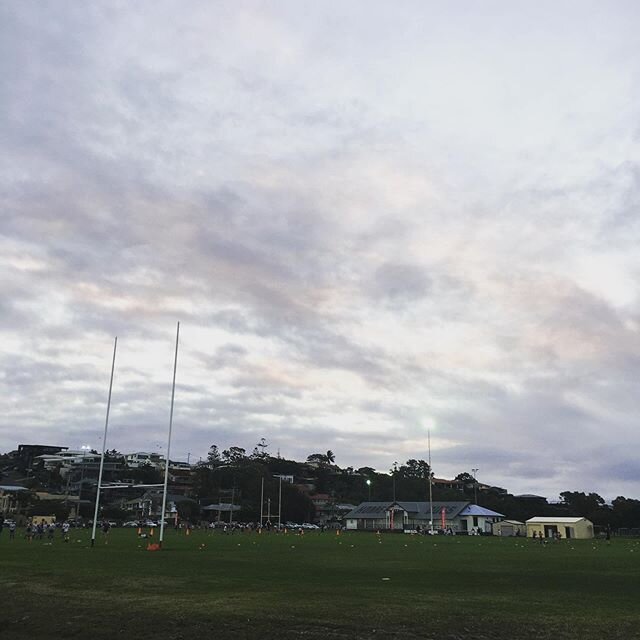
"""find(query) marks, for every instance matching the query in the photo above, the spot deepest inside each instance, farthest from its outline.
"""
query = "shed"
(570, 527)
(508, 528)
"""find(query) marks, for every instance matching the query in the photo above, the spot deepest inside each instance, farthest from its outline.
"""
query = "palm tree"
(330, 456)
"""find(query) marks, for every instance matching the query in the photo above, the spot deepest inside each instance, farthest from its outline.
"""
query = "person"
(1, 524)
(105, 530)
(12, 531)
(65, 531)
(535, 535)
(50, 531)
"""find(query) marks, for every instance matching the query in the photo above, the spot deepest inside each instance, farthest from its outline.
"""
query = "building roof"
(417, 509)
(12, 487)
(223, 506)
(552, 520)
(516, 522)
(475, 510)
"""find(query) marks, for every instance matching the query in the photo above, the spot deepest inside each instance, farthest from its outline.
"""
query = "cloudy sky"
(371, 219)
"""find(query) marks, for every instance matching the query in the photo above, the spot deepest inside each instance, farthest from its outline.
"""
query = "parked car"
(131, 523)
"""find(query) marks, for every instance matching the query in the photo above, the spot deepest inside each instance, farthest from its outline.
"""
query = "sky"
(372, 220)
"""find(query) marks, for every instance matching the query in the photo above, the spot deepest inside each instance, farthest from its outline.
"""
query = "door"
(550, 530)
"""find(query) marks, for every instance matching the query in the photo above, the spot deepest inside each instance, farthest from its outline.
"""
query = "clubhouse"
(460, 517)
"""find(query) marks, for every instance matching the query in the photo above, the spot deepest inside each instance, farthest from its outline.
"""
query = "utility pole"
(430, 486)
(280, 504)
(395, 469)
(475, 486)
(262, 502)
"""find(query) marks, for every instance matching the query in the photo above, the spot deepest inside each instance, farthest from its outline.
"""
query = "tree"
(591, 506)
(187, 509)
(234, 455)
(260, 450)
(296, 506)
(146, 474)
(465, 477)
(626, 512)
(582, 503)
(330, 457)
(415, 469)
(213, 457)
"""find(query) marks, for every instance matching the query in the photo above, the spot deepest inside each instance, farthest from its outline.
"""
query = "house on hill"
(9, 500)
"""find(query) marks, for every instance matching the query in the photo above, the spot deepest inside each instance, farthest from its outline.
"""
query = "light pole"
(395, 469)
(475, 486)
(85, 448)
(369, 487)
(430, 486)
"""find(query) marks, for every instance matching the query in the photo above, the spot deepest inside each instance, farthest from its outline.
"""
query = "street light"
(475, 486)
(369, 487)
(395, 470)
(85, 448)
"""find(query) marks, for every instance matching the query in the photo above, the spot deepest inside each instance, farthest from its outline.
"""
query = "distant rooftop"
(475, 510)
(551, 520)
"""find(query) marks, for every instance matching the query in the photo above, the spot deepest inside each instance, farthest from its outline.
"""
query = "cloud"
(368, 220)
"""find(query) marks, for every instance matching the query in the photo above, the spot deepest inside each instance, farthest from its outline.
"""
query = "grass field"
(356, 585)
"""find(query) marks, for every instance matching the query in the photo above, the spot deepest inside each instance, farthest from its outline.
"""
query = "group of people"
(540, 537)
(35, 529)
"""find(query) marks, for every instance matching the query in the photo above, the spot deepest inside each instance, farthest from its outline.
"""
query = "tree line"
(234, 475)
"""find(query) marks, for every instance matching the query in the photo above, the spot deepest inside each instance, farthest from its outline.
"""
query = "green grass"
(318, 586)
